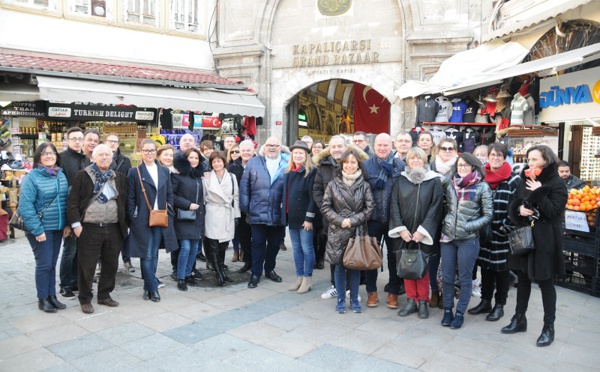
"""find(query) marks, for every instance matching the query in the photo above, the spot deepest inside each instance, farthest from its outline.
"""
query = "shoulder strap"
(143, 189)
(232, 190)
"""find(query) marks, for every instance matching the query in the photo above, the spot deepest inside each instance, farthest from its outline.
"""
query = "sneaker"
(66, 293)
(355, 305)
(128, 266)
(341, 307)
(329, 294)
(476, 292)
(348, 295)
(160, 284)
(458, 320)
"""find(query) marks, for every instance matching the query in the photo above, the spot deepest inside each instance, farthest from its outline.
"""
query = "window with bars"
(143, 12)
(88, 7)
(185, 15)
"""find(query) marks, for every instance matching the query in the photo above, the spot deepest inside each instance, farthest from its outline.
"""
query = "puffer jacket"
(382, 196)
(341, 202)
(464, 220)
(260, 199)
(37, 192)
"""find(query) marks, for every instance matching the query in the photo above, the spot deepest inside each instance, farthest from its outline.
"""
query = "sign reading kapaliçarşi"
(338, 52)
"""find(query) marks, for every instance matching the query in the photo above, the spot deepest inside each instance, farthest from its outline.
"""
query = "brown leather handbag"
(362, 253)
(158, 217)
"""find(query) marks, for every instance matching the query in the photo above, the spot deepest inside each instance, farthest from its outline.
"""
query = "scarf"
(443, 167)
(466, 187)
(496, 178)
(52, 171)
(415, 176)
(349, 179)
(100, 180)
(536, 172)
(386, 170)
(297, 169)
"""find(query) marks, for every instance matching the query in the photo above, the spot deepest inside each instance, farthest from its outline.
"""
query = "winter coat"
(493, 255)
(38, 190)
(82, 192)
(222, 206)
(575, 183)
(138, 213)
(121, 163)
(550, 200)
(382, 196)
(187, 187)
(417, 206)
(341, 202)
(72, 162)
(260, 199)
(298, 203)
(464, 219)
(326, 168)
(237, 169)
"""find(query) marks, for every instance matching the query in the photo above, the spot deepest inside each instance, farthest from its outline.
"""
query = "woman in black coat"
(188, 194)
(416, 216)
(540, 200)
(143, 239)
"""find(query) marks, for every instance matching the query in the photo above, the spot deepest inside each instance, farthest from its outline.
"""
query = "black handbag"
(521, 240)
(186, 214)
(413, 262)
(16, 220)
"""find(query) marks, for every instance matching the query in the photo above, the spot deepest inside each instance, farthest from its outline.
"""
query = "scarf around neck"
(349, 179)
(100, 180)
(52, 171)
(386, 170)
(466, 186)
(444, 167)
(494, 179)
(297, 168)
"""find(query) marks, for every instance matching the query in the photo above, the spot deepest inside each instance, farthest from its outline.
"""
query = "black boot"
(181, 285)
(496, 314)
(547, 335)
(191, 281)
(247, 266)
(46, 306)
(518, 323)
(57, 304)
(485, 306)
(222, 265)
(409, 308)
(213, 251)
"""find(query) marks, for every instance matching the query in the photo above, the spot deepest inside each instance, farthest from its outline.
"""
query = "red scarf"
(496, 178)
(297, 167)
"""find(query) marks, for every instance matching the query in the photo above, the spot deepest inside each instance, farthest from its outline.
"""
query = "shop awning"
(17, 93)
(66, 90)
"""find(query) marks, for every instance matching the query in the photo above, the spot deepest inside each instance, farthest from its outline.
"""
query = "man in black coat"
(96, 212)
(72, 160)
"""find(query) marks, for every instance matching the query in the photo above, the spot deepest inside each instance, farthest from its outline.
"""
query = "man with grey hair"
(308, 140)
(261, 194)
(96, 212)
(186, 142)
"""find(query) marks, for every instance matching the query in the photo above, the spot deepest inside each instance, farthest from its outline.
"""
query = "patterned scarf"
(52, 171)
(496, 178)
(100, 180)
(466, 187)
(386, 170)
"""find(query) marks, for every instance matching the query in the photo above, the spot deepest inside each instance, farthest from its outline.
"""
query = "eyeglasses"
(148, 152)
(112, 141)
(48, 154)
(76, 139)
(447, 149)
(358, 141)
(497, 156)
(463, 166)
(235, 152)
(273, 146)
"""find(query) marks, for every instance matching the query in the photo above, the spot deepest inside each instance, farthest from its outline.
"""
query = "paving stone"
(441, 361)
(332, 358)
(257, 332)
(54, 335)
(17, 345)
(222, 346)
(261, 359)
(164, 321)
(114, 358)
(150, 346)
(291, 345)
(286, 320)
(79, 347)
(31, 361)
(124, 333)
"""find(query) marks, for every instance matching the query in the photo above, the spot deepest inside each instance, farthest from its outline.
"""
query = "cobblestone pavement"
(272, 329)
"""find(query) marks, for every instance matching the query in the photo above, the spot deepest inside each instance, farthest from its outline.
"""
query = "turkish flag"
(211, 122)
(371, 110)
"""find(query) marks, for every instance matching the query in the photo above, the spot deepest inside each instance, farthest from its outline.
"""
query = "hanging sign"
(96, 112)
(576, 221)
(32, 109)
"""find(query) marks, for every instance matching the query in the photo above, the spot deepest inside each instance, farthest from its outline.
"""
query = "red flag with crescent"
(211, 122)
(371, 110)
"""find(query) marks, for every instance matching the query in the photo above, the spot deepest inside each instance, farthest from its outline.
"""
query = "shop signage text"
(89, 113)
(570, 95)
(576, 221)
(339, 52)
(31, 109)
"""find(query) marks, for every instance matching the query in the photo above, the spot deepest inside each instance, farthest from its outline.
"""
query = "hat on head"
(300, 145)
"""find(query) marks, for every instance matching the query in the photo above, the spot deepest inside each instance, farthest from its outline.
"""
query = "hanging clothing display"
(427, 109)
(445, 109)
(470, 111)
(438, 134)
(518, 106)
(458, 110)
(529, 114)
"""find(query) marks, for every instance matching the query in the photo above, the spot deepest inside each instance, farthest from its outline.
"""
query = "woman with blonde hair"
(233, 153)
(425, 142)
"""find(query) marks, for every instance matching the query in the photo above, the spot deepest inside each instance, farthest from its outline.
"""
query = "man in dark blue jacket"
(382, 171)
(261, 194)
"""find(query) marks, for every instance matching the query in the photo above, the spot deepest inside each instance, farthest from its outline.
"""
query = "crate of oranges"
(586, 200)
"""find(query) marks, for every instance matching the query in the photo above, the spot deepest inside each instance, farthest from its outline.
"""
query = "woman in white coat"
(221, 196)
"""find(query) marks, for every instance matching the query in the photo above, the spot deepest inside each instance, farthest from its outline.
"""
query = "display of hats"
(503, 94)
(490, 98)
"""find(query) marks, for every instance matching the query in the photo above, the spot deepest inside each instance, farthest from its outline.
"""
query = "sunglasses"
(447, 149)
(235, 152)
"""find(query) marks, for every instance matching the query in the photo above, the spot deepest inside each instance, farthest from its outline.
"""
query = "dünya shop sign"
(571, 96)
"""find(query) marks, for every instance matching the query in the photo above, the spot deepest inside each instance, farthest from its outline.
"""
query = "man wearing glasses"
(360, 140)
(261, 194)
(72, 161)
(402, 144)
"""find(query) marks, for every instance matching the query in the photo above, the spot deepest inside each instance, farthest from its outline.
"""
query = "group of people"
(455, 208)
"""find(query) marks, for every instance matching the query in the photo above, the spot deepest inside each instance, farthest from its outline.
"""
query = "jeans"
(377, 230)
(46, 256)
(304, 251)
(187, 255)
(244, 234)
(499, 280)
(149, 264)
(434, 265)
(462, 253)
(68, 263)
(340, 282)
(265, 247)
(548, 296)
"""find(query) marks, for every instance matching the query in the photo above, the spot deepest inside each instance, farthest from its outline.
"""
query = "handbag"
(413, 262)
(186, 214)
(158, 217)
(521, 240)
(362, 253)
(16, 220)
(485, 234)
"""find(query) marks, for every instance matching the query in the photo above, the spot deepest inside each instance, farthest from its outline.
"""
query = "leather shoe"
(274, 277)
(435, 299)
(245, 268)
(108, 302)
(496, 314)
(392, 301)
(409, 308)
(423, 309)
(253, 283)
(146, 295)
(547, 336)
(87, 308)
(518, 323)
(372, 299)
(154, 296)
(57, 304)
(46, 306)
(485, 306)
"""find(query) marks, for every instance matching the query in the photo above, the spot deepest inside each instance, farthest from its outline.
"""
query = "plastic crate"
(582, 245)
(582, 274)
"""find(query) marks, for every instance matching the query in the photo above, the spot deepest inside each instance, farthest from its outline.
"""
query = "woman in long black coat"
(143, 239)
(540, 201)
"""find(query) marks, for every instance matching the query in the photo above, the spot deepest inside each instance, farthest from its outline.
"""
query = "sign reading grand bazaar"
(340, 52)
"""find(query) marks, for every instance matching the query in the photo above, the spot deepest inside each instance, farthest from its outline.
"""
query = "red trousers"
(417, 289)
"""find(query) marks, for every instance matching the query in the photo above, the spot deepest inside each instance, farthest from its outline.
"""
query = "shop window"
(185, 15)
(36, 4)
(96, 8)
(143, 12)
